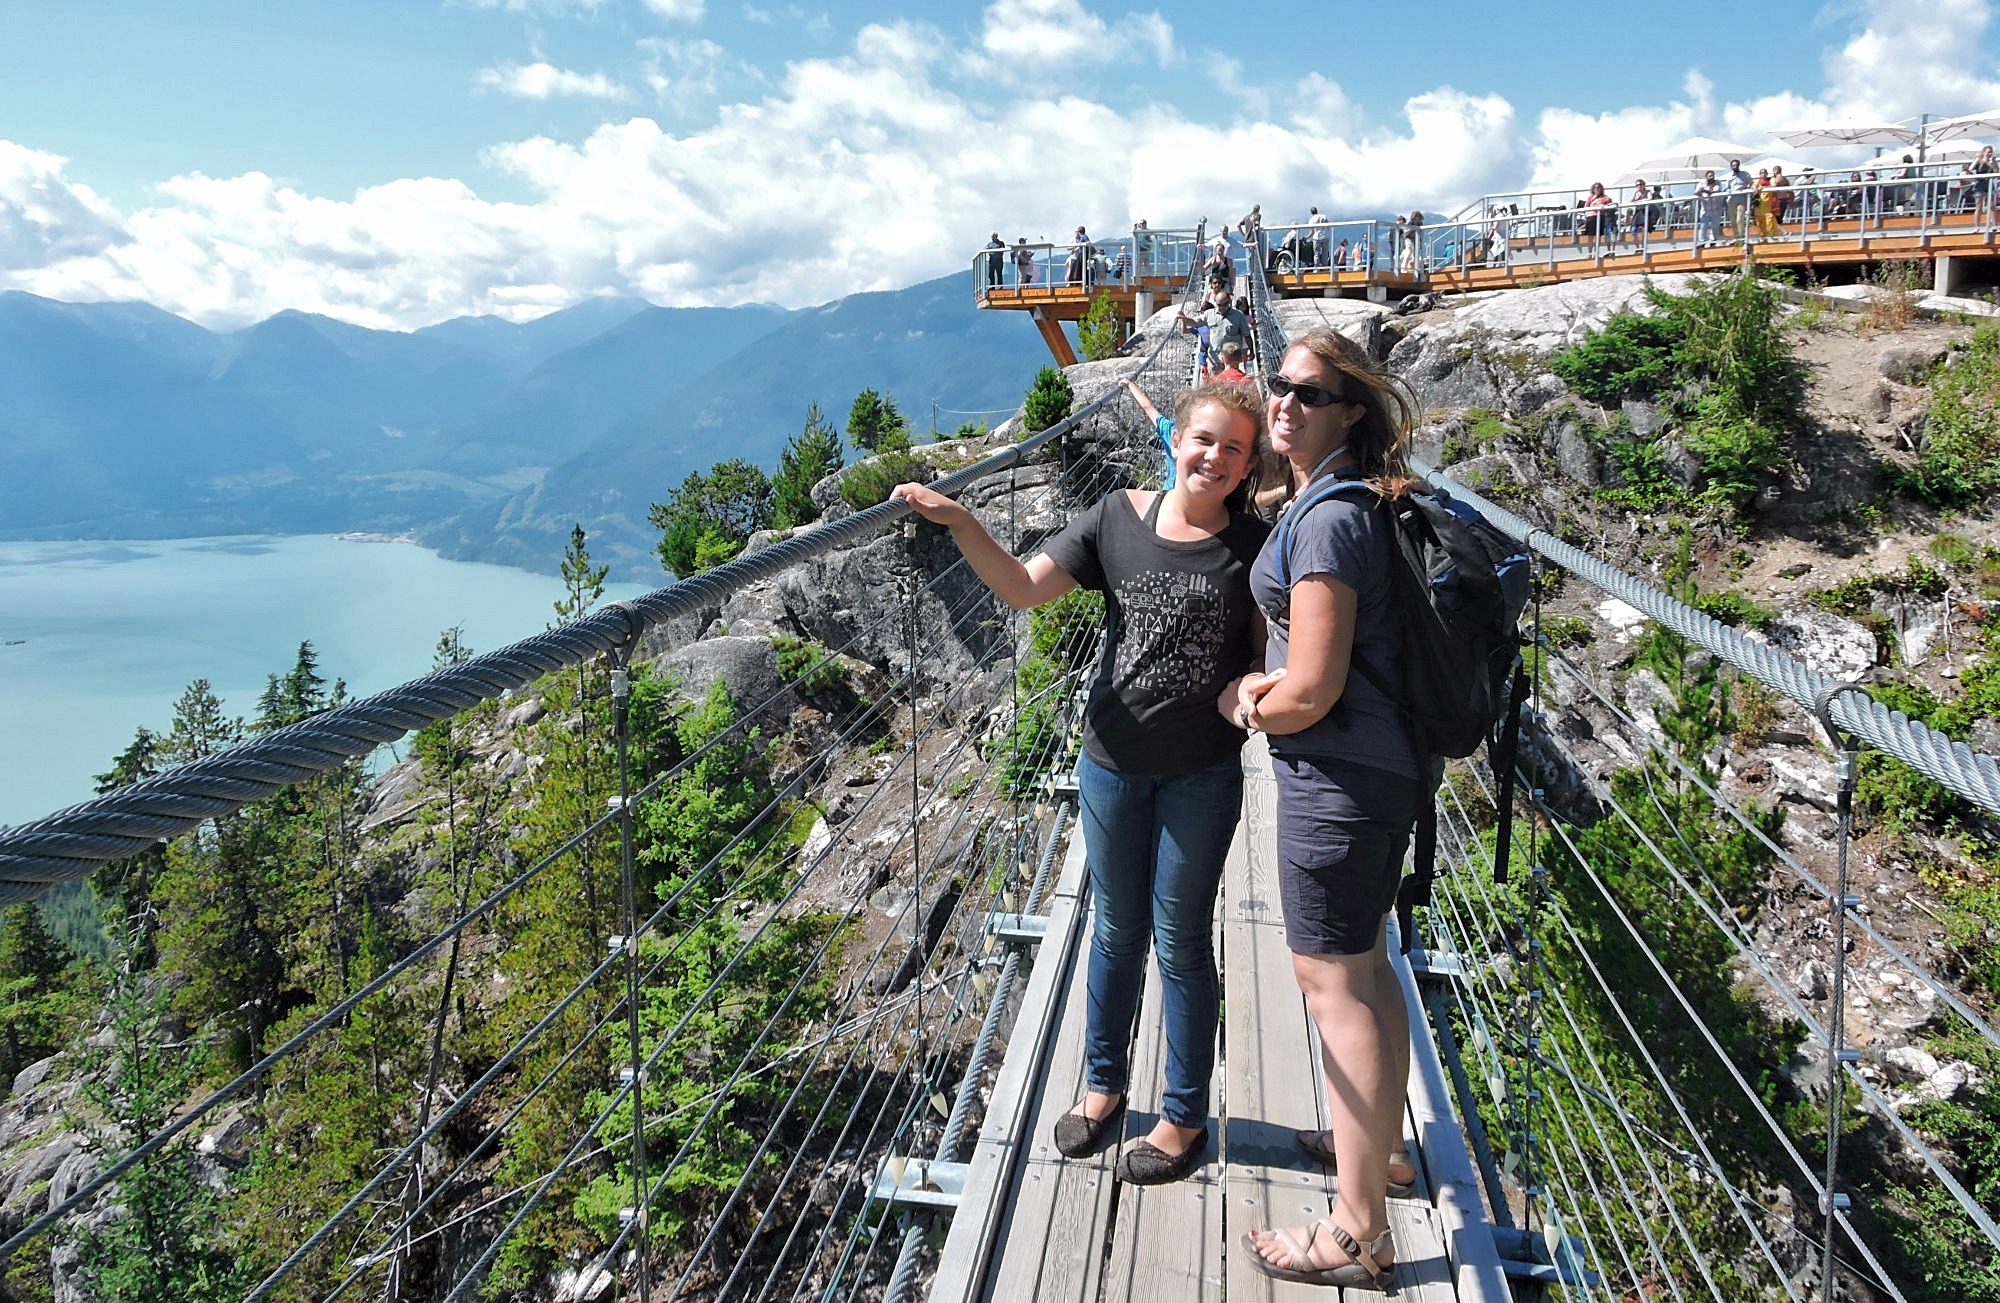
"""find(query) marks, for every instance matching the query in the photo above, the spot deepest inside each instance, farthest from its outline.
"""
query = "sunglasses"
(1308, 395)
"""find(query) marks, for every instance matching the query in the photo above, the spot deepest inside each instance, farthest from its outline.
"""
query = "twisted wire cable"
(71, 843)
(1971, 774)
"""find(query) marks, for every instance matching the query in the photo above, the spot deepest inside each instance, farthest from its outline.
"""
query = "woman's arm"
(1019, 584)
(1316, 659)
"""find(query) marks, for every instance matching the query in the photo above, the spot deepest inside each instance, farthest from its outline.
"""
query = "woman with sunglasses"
(1346, 776)
(1160, 779)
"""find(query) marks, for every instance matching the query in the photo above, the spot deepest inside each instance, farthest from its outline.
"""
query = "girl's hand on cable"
(931, 505)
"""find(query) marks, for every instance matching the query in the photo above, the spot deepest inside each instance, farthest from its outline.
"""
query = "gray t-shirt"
(1179, 616)
(1350, 539)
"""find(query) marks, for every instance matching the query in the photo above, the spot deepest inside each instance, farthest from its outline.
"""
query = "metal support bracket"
(1030, 928)
(918, 1182)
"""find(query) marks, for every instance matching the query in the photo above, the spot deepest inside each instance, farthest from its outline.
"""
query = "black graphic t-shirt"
(1180, 617)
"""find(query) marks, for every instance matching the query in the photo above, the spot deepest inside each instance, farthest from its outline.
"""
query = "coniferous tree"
(710, 516)
(875, 425)
(583, 583)
(171, 1243)
(808, 457)
(38, 1003)
(1048, 401)
(125, 887)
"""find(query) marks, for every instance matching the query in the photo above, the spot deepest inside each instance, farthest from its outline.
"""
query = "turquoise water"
(97, 638)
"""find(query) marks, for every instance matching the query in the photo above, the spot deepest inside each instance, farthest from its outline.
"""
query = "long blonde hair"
(1380, 439)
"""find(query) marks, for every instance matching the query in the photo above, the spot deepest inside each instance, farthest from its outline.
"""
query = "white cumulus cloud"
(44, 218)
(873, 169)
(542, 80)
(680, 11)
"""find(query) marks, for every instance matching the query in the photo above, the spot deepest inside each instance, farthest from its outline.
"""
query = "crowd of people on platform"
(1733, 205)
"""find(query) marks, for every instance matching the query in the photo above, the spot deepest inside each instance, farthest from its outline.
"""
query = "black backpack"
(1458, 597)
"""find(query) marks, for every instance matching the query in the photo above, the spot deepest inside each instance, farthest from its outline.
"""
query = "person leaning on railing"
(1708, 211)
(1160, 779)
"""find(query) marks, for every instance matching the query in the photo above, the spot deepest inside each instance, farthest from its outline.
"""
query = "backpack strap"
(1500, 758)
(1151, 520)
(1316, 492)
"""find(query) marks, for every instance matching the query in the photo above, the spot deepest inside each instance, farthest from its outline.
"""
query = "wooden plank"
(1271, 1087)
(994, 1166)
(1052, 1233)
(1166, 1240)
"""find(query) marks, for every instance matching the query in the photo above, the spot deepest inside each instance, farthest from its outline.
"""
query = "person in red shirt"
(1232, 364)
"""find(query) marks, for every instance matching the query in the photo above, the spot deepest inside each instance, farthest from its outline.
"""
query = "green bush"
(1633, 356)
(1048, 401)
(1734, 609)
(870, 483)
(1959, 463)
(1719, 359)
(808, 667)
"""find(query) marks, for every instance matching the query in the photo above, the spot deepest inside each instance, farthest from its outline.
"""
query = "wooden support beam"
(1052, 335)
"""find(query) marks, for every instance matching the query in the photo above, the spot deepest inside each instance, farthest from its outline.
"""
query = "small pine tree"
(1102, 330)
(1048, 400)
(583, 583)
(875, 425)
(710, 516)
(809, 457)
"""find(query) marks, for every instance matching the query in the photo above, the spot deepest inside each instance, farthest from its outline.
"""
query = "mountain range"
(485, 438)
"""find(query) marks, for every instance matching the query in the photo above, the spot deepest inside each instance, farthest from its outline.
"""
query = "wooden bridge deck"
(1035, 1226)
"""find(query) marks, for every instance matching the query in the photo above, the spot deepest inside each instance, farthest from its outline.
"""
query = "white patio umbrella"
(1664, 175)
(1698, 153)
(1970, 124)
(1849, 133)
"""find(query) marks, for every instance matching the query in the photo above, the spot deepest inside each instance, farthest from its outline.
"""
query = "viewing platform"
(1032, 1225)
(1832, 231)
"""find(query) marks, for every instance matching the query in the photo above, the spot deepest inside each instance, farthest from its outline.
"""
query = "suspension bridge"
(897, 1140)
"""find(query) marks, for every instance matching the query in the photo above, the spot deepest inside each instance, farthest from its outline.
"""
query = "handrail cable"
(782, 793)
(1905, 961)
(1750, 1094)
(1971, 774)
(1745, 949)
(1624, 1117)
(1684, 1156)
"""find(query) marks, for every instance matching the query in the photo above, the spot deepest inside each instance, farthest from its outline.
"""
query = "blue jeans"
(1155, 845)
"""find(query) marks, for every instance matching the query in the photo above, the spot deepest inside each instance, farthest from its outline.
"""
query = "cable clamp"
(1847, 1056)
(918, 1182)
(1840, 1202)
(614, 946)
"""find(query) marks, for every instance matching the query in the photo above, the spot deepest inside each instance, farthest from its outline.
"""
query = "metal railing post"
(628, 889)
(1838, 1055)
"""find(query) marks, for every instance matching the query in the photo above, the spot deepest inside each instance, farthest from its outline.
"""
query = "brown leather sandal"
(1316, 1144)
(1367, 1268)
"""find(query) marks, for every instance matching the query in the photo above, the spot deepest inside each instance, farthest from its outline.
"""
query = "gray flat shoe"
(1078, 1136)
(1145, 1163)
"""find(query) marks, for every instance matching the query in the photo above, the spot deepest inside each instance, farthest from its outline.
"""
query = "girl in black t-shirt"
(1160, 780)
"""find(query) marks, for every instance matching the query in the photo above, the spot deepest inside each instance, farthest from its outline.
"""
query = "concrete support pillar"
(1378, 293)
(1142, 308)
(1947, 273)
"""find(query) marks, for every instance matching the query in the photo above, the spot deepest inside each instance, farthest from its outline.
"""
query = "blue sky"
(394, 163)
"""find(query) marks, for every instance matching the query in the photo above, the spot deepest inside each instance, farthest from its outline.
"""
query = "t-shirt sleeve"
(1074, 548)
(1336, 540)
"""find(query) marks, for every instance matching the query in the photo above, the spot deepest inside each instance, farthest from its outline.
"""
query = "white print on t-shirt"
(1173, 634)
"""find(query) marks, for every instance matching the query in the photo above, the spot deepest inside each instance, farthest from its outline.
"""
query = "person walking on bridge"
(1160, 779)
(1346, 772)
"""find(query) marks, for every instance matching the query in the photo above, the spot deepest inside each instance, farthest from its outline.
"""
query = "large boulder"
(1832, 644)
(747, 666)
(1489, 354)
(1357, 319)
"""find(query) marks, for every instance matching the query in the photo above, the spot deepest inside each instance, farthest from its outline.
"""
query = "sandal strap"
(1366, 1256)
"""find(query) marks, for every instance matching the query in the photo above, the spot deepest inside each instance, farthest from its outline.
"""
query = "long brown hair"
(1232, 396)
(1380, 439)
